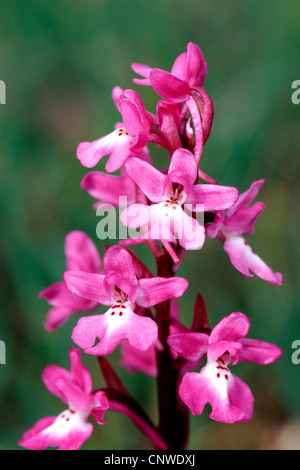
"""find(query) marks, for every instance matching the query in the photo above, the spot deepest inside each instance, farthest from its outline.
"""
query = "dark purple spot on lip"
(120, 314)
(226, 377)
(112, 313)
(218, 375)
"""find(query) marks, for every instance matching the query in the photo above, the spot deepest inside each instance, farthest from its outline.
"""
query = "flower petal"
(192, 346)
(245, 260)
(243, 220)
(118, 260)
(149, 179)
(116, 144)
(81, 253)
(168, 86)
(109, 188)
(259, 351)
(246, 198)
(88, 286)
(158, 289)
(231, 399)
(231, 328)
(212, 197)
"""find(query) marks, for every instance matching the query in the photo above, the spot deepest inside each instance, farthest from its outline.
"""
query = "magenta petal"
(184, 162)
(32, 439)
(192, 346)
(80, 374)
(59, 296)
(168, 86)
(231, 402)
(246, 198)
(213, 230)
(231, 328)
(138, 361)
(88, 329)
(51, 376)
(158, 289)
(118, 260)
(101, 405)
(216, 350)
(212, 197)
(259, 351)
(196, 114)
(108, 188)
(56, 317)
(245, 260)
(148, 178)
(144, 71)
(67, 437)
(131, 118)
(81, 252)
(76, 397)
(116, 144)
(207, 114)
(243, 220)
(88, 286)
(196, 67)
(142, 332)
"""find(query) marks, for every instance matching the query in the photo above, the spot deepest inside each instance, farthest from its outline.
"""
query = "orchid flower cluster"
(192, 365)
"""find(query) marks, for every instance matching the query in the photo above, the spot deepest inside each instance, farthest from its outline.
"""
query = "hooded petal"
(245, 260)
(184, 162)
(231, 328)
(119, 261)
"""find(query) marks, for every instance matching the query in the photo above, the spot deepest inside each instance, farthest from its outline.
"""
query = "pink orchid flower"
(121, 289)
(230, 398)
(70, 429)
(130, 137)
(81, 253)
(171, 194)
(231, 227)
(184, 84)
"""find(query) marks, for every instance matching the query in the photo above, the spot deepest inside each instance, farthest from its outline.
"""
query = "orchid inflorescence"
(143, 318)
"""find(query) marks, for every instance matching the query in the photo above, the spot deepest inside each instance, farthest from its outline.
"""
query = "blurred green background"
(60, 61)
